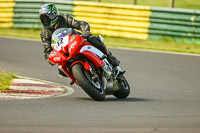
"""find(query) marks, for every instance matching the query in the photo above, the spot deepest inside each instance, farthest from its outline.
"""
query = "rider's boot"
(112, 59)
(115, 62)
(98, 42)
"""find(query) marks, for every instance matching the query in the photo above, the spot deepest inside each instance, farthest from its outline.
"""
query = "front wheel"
(90, 85)
(124, 88)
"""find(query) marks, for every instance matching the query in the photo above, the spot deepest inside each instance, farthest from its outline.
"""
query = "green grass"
(23, 33)
(116, 41)
(187, 4)
(153, 45)
(5, 80)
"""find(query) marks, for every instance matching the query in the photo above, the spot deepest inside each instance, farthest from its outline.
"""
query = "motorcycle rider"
(51, 20)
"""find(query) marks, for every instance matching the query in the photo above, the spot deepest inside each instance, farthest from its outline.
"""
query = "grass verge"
(116, 42)
(5, 80)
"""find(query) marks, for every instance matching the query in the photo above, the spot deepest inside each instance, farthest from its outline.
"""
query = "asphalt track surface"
(165, 95)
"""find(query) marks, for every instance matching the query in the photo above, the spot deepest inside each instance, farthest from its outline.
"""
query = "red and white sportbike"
(86, 66)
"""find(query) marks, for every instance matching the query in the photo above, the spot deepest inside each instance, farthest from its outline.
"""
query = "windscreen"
(61, 32)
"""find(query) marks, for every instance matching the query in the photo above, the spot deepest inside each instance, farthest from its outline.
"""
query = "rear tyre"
(124, 88)
(90, 86)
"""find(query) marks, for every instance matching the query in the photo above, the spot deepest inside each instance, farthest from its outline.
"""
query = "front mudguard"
(85, 64)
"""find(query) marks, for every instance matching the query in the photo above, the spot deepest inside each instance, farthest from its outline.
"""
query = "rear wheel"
(88, 82)
(124, 88)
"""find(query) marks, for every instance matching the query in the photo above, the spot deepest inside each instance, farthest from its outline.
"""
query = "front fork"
(109, 81)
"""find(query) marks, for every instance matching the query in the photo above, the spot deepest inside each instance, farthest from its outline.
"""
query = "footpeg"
(103, 57)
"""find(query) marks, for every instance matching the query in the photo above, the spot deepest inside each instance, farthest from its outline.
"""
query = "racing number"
(60, 41)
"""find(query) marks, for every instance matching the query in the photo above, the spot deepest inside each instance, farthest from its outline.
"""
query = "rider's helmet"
(48, 15)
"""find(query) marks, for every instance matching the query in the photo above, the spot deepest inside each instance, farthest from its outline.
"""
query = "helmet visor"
(46, 21)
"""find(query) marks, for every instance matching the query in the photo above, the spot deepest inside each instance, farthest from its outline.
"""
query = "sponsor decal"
(72, 38)
(53, 23)
(54, 53)
(52, 9)
(56, 58)
(73, 45)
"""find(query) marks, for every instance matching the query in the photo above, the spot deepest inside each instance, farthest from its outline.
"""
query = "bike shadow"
(129, 99)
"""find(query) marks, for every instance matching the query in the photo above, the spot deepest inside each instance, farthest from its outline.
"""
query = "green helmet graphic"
(48, 15)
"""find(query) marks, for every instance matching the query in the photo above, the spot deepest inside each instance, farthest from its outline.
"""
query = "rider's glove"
(86, 34)
(85, 28)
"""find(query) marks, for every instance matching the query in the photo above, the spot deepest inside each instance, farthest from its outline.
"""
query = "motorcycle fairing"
(75, 44)
(93, 57)
(92, 49)
(92, 53)
(56, 57)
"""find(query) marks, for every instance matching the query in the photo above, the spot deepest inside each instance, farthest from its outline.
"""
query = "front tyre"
(124, 88)
(91, 87)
